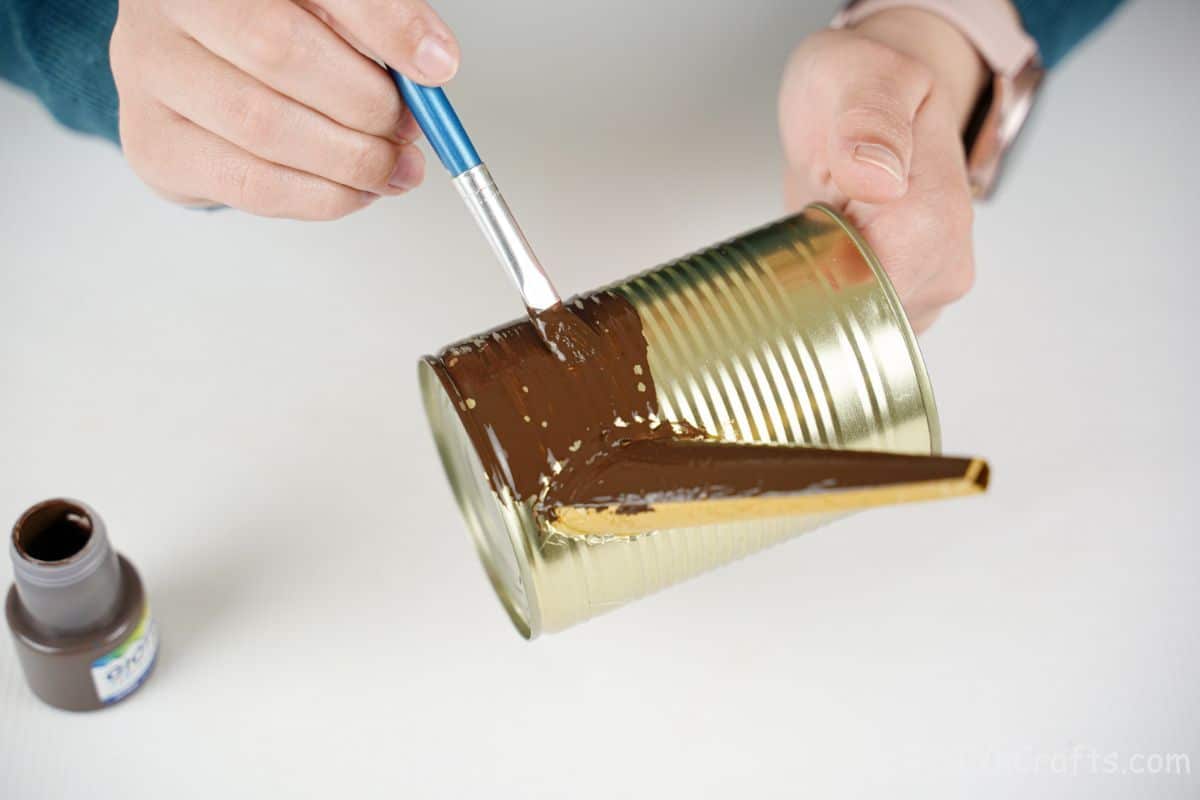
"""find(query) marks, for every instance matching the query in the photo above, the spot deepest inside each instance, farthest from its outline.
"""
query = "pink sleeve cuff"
(993, 26)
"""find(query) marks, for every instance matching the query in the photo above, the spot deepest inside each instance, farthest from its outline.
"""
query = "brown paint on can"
(639, 474)
(585, 431)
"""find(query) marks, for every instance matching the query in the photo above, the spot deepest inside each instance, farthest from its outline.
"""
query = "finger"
(181, 160)
(805, 117)
(800, 189)
(924, 239)
(410, 130)
(293, 52)
(226, 101)
(921, 323)
(871, 139)
(942, 197)
(407, 34)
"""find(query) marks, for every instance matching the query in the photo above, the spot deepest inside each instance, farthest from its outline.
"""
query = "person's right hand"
(270, 106)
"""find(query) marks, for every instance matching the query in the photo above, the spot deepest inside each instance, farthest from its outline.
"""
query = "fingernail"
(409, 170)
(434, 59)
(879, 156)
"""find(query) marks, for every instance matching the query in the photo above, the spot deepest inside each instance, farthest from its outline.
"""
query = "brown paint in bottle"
(77, 609)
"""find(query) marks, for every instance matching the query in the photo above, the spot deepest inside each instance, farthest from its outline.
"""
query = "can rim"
(906, 331)
(436, 384)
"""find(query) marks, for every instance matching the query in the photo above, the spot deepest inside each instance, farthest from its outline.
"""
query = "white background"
(237, 398)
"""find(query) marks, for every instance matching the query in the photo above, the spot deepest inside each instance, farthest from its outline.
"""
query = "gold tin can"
(790, 334)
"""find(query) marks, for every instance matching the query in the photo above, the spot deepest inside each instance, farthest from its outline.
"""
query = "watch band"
(994, 28)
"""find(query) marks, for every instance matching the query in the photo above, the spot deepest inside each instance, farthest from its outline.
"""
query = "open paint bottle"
(77, 609)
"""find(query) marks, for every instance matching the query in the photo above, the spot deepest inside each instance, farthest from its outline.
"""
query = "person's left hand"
(871, 121)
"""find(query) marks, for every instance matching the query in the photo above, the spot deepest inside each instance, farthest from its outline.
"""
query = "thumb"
(871, 141)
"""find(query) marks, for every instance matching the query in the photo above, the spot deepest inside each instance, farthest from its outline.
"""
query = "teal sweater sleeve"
(1059, 25)
(58, 50)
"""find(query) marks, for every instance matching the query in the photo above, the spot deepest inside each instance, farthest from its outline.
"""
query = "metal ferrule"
(479, 192)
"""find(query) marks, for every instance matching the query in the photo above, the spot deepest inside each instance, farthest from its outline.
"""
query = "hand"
(871, 120)
(271, 106)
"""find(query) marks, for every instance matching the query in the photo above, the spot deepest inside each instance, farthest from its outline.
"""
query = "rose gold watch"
(994, 28)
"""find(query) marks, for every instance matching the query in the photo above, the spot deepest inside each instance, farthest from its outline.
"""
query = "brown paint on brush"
(566, 335)
(576, 426)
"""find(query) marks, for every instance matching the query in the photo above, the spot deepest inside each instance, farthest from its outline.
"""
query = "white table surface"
(237, 398)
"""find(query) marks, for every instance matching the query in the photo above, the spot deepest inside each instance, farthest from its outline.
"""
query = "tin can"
(790, 334)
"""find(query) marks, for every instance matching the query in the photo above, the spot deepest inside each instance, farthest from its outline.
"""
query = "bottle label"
(124, 668)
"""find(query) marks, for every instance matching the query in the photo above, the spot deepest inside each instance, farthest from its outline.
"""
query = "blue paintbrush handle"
(440, 124)
(474, 183)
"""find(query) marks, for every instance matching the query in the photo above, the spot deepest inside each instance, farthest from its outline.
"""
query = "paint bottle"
(77, 609)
